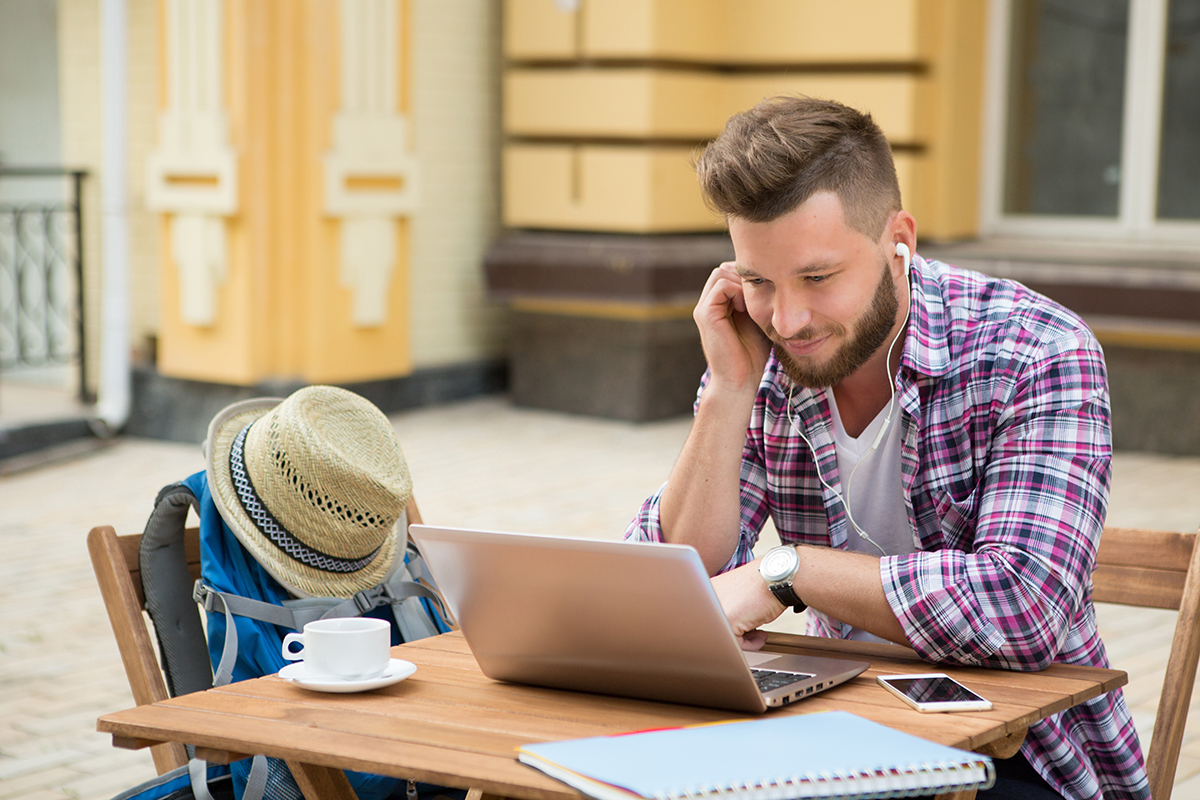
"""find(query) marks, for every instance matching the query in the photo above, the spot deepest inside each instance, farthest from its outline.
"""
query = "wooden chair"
(1157, 569)
(115, 562)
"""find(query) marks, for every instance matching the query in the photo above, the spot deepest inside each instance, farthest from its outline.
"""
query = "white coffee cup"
(349, 649)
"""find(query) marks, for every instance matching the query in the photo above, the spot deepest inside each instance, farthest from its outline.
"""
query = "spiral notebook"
(826, 754)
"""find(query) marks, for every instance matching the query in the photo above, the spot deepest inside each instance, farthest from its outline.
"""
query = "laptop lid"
(625, 618)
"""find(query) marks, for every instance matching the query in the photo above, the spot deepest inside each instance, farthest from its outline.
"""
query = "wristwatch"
(778, 568)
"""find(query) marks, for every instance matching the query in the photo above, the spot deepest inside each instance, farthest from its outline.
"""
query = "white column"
(192, 175)
(370, 177)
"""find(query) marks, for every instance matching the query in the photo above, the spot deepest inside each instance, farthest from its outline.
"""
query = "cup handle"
(288, 653)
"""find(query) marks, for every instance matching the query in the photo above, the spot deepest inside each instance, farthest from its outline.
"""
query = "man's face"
(823, 293)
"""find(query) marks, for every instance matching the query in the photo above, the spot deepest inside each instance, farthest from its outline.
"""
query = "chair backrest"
(1158, 569)
(115, 560)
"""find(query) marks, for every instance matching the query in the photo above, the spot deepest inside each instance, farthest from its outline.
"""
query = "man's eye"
(753, 281)
(817, 278)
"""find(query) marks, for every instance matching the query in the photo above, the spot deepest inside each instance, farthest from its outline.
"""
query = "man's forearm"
(700, 504)
(848, 587)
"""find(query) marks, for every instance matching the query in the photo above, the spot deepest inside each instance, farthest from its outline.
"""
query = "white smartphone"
(933, 692)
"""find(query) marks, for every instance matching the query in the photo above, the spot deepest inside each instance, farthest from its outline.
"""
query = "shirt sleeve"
(1021, 544)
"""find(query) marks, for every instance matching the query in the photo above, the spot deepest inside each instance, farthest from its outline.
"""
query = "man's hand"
(736, 348)
(747, 603)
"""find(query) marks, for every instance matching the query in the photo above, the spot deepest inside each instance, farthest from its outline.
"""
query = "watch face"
(779, 563)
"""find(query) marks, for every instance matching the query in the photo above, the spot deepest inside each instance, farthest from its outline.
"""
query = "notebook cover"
(785, 756)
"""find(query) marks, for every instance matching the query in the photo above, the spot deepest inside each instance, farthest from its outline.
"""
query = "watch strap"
(786, 594)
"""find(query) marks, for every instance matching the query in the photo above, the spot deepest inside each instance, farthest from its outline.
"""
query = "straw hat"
(312, 486)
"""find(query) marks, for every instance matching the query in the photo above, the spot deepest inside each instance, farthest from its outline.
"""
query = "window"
(1094, 119)
(1179, 152)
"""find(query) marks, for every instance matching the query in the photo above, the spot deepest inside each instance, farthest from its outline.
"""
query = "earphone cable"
(845, 497)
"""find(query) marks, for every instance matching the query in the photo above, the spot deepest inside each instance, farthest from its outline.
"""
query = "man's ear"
(902, 230)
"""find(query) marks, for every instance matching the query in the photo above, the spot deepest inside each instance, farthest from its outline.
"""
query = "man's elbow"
(1031, 646)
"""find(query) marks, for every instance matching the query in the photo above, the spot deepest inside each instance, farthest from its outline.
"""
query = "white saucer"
(298, 674)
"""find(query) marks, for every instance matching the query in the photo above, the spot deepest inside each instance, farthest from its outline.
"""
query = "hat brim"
(304, 581)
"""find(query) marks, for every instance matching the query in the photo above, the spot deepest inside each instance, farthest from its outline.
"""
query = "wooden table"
(450, 725)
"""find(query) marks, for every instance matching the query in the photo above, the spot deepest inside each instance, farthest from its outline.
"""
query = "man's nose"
(789, 316)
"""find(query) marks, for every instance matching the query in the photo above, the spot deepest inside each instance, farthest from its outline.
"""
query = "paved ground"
(481, 463)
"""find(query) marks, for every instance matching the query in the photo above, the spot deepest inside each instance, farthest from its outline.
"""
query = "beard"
(870, 332)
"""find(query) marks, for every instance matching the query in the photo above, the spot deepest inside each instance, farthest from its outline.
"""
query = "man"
(933, 446)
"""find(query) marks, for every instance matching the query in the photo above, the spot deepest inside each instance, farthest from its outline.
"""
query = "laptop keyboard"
(768, 679)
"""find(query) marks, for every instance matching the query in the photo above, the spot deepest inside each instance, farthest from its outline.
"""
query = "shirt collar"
(926, 349)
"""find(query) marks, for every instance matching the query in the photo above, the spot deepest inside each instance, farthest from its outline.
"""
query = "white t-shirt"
(872, 490)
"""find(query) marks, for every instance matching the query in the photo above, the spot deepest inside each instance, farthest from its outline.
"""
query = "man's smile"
(803, 347)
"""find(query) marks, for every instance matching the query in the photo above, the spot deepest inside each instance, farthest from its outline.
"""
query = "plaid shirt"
(1006, 460)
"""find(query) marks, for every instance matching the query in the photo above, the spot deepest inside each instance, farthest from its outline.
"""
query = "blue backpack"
(234, 585)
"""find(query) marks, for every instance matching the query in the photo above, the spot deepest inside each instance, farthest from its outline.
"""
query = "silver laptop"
(623, 618)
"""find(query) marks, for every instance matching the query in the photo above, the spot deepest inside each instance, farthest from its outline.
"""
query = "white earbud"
(902, 251)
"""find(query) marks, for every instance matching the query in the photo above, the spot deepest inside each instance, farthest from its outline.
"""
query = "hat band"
(270, 527)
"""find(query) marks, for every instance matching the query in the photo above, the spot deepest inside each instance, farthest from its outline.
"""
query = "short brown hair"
(772, 158)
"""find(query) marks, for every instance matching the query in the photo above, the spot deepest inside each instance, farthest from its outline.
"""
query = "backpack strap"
(230, 605)
(419, 572)
(295, 614)
(165, 580)
(198, 776)
(396, 591)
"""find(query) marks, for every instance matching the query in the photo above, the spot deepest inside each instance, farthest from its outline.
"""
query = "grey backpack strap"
(256, 781)
(167, 582)
(419, 572)
(385, 594)
(198, 775)
(414, 620)
(232, 605)
(209, 598)
(417, 567)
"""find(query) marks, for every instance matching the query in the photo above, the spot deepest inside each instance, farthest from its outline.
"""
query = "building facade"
(404, 194)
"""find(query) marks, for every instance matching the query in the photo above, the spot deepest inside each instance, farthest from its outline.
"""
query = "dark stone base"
(39, 436)
(1155, 400)
(636, 370)
(607, 266)
(632, 367)
(179, 410)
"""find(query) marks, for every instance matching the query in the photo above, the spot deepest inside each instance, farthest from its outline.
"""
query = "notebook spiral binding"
(886, 785)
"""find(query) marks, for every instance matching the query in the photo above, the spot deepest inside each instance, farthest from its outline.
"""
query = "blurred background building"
(428, 199)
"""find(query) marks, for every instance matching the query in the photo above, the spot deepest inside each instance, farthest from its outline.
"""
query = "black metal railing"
(41, 276)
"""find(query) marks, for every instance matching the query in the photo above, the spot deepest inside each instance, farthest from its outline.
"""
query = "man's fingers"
(722, 286)
(753, 640)
(725, 272)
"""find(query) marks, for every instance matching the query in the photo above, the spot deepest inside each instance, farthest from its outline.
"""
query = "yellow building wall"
(715, 31)
(654, 79)
(282, 309)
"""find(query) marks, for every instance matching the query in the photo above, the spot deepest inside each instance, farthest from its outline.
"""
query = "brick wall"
(455, 84)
